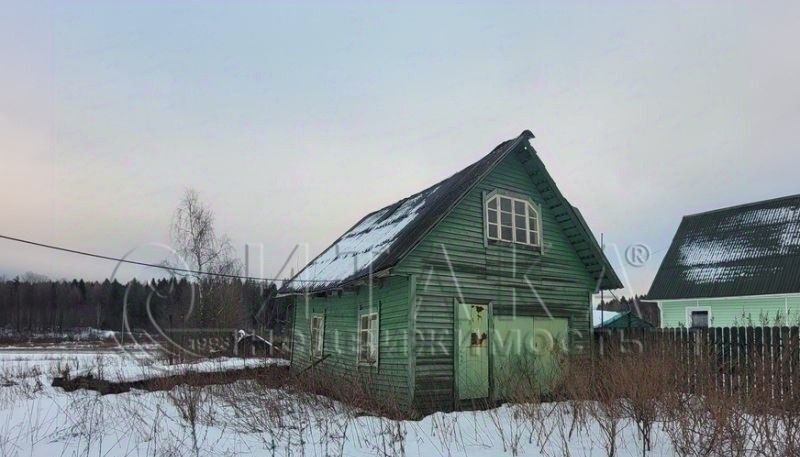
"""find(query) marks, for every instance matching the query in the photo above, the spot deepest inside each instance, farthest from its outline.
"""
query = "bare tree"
(195, 239)
(34, 278)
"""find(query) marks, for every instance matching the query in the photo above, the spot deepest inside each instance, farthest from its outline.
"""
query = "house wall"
(453, 263)
(390, 296)
(735, 311)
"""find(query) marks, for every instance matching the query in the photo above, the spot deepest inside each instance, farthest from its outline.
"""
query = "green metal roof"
(751, 249)
(618, 319)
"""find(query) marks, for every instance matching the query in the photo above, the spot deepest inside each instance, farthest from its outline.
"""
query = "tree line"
(33, 304)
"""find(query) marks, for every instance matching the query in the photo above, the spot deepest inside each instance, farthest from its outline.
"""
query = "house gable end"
(458, 246)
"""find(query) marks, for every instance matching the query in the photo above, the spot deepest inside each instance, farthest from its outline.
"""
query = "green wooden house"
(430, 298)
(737, 266)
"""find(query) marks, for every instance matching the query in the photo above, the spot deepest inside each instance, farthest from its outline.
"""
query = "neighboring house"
(737, 266)
(427, 299)
(617, 319)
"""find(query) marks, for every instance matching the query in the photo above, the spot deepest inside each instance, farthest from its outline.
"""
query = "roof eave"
(609, 279)
(350, 282)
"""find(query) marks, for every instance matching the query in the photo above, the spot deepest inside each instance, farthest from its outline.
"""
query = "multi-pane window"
(317, 330)
(512, 219)
(368, 338)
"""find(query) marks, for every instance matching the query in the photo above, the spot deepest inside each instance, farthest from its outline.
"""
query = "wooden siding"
(735, 311)
(391, 300)
(453, 262)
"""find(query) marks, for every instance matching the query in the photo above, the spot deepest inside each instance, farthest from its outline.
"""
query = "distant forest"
(638, 305)
(32, 303)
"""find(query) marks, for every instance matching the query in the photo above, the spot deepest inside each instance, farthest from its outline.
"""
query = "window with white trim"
(368, 338)
(317, 335)
(513, 219)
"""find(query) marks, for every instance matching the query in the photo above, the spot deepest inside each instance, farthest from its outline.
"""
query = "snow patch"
(355, 251)
(125, 371)
(712, 274)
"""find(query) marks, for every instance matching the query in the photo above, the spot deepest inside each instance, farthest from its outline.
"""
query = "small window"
(699, 319)
(368, 338)
(317, 335)
(513, 220)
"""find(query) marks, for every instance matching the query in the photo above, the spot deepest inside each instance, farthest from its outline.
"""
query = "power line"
(145, 264)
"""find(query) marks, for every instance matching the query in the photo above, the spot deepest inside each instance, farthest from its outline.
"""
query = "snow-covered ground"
(75, 334)
(120, 368)
(116, 365)
(245, 419)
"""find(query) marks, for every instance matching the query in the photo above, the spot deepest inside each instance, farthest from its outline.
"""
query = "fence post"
(750, 338)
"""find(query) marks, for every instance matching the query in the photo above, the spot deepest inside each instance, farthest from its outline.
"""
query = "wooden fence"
(737, 359)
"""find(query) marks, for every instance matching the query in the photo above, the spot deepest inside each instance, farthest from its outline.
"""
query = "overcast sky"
(293, 121)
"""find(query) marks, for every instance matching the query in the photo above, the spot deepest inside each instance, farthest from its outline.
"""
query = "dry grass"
(582, 399)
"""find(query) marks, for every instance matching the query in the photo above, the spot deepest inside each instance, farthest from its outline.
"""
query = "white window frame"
(692, 309)
(318, 346)
(373, 331)
(532, 211)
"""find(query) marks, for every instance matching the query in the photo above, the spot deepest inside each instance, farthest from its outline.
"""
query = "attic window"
(514, 220)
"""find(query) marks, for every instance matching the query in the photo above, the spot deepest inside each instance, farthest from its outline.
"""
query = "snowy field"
(245, 419)
(114, 365)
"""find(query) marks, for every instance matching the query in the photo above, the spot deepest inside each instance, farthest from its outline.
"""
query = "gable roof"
(751, 249)
(604, 317)
(617, 319)
(382, 238)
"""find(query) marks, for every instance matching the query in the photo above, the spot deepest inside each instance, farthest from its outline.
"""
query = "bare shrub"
(706, 425)
(642, 380)
(188, 400)
(526, 384)
(357, 399)
(445, 428)
(292, 414)
(700, 418)
(596, 384)
(774, 416)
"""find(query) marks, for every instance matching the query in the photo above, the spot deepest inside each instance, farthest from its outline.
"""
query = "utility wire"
(145, 264)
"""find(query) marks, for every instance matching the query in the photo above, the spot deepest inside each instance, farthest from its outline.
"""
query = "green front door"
(473, 351)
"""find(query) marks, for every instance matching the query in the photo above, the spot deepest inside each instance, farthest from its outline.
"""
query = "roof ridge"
(743, 205)
(525, 133)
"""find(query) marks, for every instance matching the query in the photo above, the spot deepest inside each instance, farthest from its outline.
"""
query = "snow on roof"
(744, 250)
(603, 317)
(361, 245)
(706, 254)
(707, 249)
